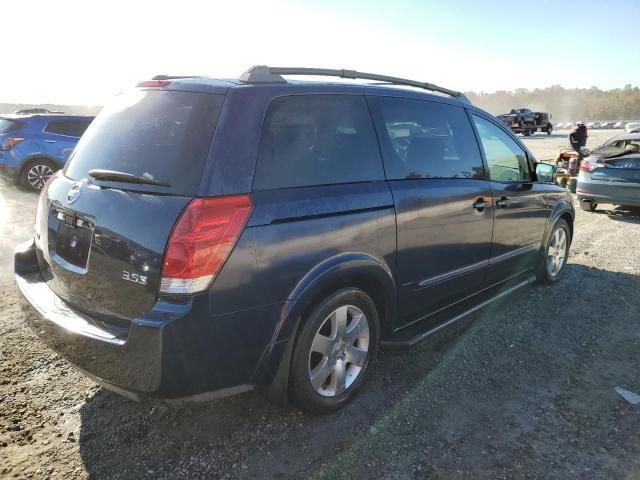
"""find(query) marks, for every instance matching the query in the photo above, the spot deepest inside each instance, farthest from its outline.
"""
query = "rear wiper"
(112, 175)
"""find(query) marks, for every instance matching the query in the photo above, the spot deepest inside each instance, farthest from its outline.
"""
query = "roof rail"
(172, 77)
(265, 74)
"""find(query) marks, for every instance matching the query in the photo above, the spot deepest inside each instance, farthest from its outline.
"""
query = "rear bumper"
(9, 166)
(631, 202)
(172, 351)
(9, 172)
(590, 192)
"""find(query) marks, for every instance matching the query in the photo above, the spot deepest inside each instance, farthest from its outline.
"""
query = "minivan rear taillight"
(201, 241)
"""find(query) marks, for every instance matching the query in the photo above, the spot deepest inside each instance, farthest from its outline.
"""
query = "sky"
(84, 52)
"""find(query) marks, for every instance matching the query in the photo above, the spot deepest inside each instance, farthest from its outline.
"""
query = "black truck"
(527, 122)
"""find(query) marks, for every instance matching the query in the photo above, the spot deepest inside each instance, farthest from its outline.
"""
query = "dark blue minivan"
(208, 236)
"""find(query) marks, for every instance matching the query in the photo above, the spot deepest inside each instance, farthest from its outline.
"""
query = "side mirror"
(546, 173)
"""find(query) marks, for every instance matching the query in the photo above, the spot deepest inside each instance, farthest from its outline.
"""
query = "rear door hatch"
(102, 238)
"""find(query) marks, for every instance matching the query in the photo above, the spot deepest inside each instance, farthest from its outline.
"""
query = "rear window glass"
(423, 139)
(159, 135)
(68, 128)
(7, 125)
(317, 140)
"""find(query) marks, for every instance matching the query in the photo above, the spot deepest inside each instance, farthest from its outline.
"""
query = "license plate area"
(73, 241)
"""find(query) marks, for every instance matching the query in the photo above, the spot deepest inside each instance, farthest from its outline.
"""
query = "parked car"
(622, 141)
(594, 125)
(33, 147)
(619, 125)
(632, 127)
(212, 235)
(605, 125)
(611, 174)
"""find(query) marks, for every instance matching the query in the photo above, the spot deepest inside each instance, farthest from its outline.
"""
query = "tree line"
(565, 104)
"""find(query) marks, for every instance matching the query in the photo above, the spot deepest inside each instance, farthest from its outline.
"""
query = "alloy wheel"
(339, 351)
(38, 175)
(557, 252)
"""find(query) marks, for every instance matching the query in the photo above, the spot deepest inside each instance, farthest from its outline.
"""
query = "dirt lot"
(525, 389)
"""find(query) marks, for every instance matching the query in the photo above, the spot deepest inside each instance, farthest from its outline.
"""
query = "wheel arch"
(562, 209)
(358, 270)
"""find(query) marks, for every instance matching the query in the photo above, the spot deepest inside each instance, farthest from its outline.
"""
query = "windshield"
(159, 135)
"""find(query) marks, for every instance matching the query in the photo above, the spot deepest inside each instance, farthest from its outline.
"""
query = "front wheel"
(336, 345)
(555, 254)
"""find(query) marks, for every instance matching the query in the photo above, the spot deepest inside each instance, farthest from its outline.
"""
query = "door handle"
(480, 204)
(50, 141)
(503, 202)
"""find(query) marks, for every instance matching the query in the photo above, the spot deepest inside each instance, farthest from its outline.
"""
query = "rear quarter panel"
(293, 231)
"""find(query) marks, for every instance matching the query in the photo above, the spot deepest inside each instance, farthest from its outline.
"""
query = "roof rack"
(172, 77)
(265, 74)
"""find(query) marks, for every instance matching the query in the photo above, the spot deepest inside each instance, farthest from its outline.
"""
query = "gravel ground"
(525, 389)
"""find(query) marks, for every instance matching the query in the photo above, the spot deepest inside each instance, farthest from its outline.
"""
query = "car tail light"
(11, 142)
(201, 242)
(154, 83)
(589, 166)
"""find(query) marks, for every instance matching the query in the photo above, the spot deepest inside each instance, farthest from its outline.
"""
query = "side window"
(507, 161)
(317, 140)
(70, 129)
(58, 128)
(76, 129)
(423, 139)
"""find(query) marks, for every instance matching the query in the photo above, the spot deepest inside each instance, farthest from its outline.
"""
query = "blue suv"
(209, 236)
(34, 147)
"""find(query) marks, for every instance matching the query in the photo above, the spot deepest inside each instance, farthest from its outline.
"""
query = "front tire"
(36, 173)
(333, 352)
(556, 252)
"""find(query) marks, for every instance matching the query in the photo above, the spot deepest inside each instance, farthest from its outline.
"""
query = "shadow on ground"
(523, 389)
(624, 214)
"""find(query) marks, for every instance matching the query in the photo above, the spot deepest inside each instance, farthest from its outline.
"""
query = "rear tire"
(337, 342)
(588, 205)
(36, 172)
(556, 252)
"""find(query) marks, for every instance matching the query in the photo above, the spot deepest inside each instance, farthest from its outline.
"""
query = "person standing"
(578, 137)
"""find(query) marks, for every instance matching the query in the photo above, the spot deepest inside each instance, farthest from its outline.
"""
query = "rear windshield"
(7, 125)
(159, 135)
